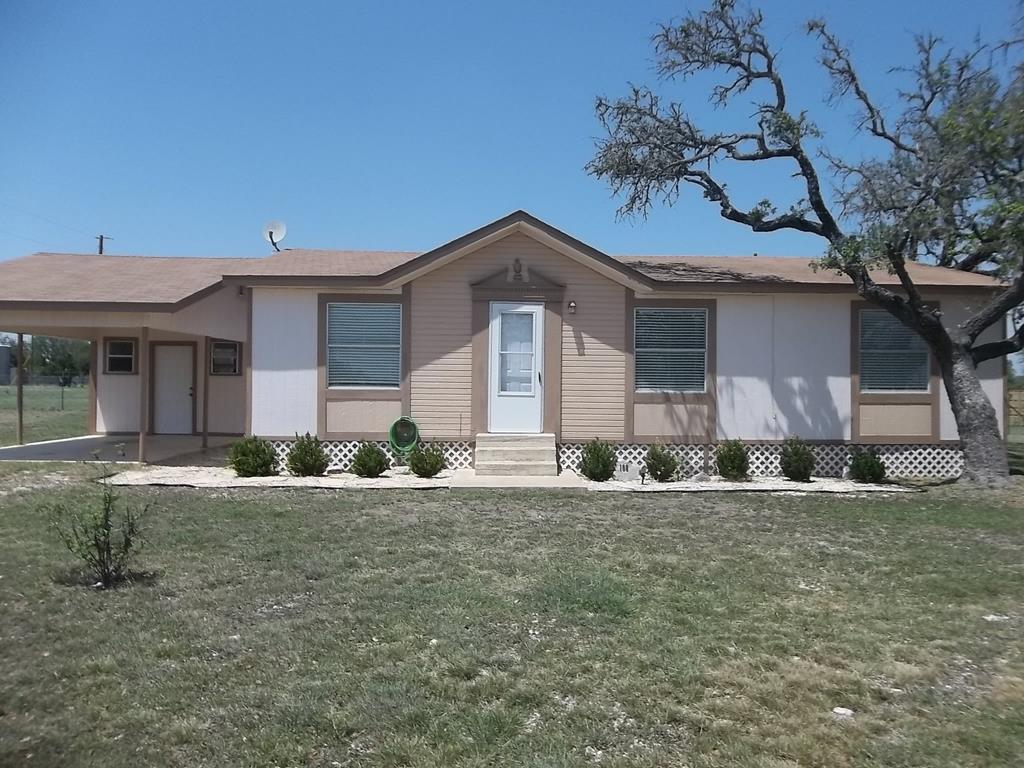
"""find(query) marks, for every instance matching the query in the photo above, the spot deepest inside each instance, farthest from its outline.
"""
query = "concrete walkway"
(112, 449)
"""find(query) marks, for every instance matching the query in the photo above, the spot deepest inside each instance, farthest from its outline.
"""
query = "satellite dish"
(274, 233)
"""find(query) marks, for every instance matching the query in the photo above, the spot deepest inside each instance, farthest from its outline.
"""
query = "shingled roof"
(81, 280)
(768, 270)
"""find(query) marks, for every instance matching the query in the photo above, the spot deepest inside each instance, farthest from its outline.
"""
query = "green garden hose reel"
(403, 436)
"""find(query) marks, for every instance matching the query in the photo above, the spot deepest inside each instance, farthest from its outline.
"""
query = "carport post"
(143, 357)
(20, 389)
(206, 392)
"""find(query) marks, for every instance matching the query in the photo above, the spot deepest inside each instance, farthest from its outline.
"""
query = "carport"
(156, 327)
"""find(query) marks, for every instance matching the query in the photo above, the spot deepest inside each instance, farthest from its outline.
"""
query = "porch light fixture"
(572, 307)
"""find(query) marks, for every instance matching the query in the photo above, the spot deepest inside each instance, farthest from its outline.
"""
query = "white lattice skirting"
(910, 461)
(458, 455)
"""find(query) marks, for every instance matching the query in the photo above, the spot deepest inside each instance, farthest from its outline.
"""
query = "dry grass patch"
(302, 628)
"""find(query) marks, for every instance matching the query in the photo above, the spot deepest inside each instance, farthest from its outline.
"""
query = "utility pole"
(102, 239)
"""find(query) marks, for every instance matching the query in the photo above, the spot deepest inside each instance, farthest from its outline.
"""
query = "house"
(513, 337)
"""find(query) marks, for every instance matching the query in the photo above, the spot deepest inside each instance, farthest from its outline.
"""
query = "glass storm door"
(515, 401)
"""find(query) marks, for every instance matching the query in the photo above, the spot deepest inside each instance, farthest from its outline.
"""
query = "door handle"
(540, 380)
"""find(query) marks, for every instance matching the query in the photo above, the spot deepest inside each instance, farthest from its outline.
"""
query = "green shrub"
(797, 460)
(732, 461)
(307, 457)
(426, 462)
(104, 540)
(369, 461)
(661, 465)
(866, 467)
(253, 457)
(598, 460)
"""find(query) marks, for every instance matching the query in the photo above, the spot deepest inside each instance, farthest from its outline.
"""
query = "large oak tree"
(944, 186)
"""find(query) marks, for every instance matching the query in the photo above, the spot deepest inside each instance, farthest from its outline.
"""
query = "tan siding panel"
(362, 415)
(670, 421)
(593, 361)
(895, 420)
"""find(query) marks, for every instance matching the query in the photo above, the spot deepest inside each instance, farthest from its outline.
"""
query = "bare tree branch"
(1007, 346)
(836, 59)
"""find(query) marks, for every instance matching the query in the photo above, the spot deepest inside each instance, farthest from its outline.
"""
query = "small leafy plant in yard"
(105, 539)
(253, 457)
(732, 461)
(598, 460)
(866, 467)
(307, 457)
(797, 460)
(661, 465)
(369, 461)
(426, 461)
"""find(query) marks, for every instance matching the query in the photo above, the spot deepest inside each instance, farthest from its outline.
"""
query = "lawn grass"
(44, 417)
(1016, 450)
(306, 628)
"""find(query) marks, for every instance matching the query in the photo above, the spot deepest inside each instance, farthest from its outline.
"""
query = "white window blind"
(670, 347)
(364, 345)
(892, 357)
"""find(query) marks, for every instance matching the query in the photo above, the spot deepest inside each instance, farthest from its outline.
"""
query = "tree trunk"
(985, 460)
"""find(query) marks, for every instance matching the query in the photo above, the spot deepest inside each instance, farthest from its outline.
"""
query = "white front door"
(172, 389)
(515, 400)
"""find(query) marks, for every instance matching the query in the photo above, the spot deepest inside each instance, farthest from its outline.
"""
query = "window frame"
(238, 357)
(134, 355)
(400, 348)
(858, 340)
(706, 311)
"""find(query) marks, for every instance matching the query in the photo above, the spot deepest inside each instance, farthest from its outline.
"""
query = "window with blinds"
(670, 349)
(892, 357)
(364, 345)
(120, 356)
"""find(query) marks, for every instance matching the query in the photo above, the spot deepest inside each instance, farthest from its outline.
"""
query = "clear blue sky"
(181, 127)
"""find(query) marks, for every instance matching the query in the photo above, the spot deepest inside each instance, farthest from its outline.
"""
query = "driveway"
(117, 448)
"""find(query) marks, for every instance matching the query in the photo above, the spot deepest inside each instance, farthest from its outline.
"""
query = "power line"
(22, 237)
(43, 218)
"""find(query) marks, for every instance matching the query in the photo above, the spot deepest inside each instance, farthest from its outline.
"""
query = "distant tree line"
(52, 356)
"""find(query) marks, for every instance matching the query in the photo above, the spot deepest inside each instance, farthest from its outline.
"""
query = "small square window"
(120, 356)
(224, 358)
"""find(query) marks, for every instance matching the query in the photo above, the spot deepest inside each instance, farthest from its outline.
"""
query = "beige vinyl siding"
(593, 360)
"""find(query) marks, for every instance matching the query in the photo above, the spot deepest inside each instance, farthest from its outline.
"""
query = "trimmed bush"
(426, 462)
(307, 457)
(866, 467)
(661, 465)
(732, 461)
(797, 460)
(103, 539)
(369, 461)
(598, 461)
(253, 457)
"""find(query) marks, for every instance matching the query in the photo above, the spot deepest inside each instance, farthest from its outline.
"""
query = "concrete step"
(522, 468)
(515, 453)
(508, 455)
(490, 439)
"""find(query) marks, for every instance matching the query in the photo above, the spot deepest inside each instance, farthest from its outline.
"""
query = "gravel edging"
(753, 485)
(221, 477)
